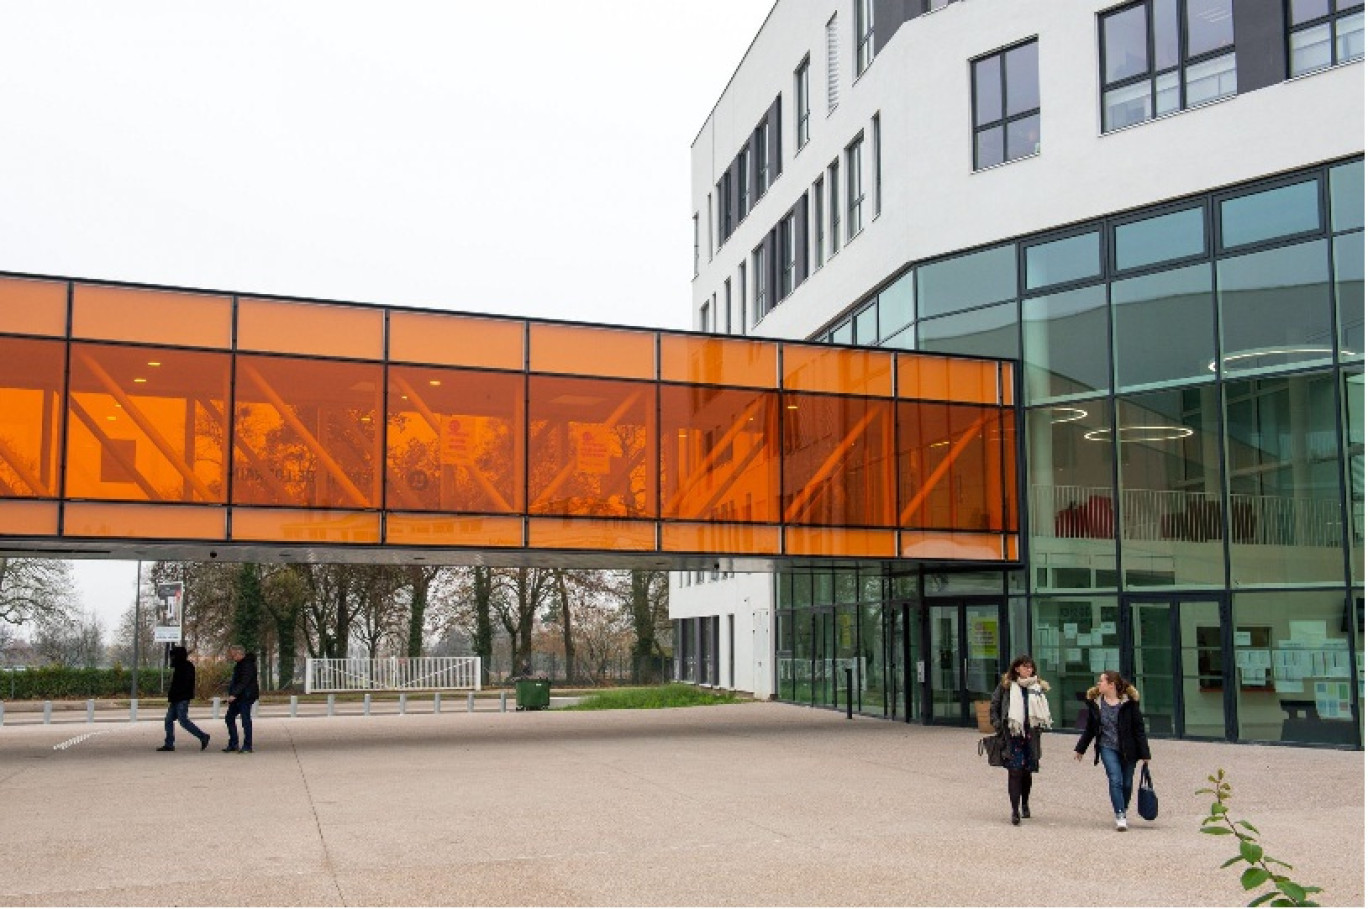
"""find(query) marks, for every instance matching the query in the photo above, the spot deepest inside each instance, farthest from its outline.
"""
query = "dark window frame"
(1002, 88)
(1331, 19)
(854, 167)
(802, 102)
(864, 35)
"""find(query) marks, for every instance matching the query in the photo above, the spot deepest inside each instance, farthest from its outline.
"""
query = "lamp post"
(137, 630)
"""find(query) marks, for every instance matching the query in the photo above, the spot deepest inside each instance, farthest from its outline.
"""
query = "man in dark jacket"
(242, 694)
(178, 698)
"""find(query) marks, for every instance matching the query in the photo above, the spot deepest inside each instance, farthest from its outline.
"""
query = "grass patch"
(654, 698)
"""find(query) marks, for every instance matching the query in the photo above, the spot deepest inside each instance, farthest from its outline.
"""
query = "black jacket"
(243, 684)
(1130, 728)
(182, 677)
(997, 711)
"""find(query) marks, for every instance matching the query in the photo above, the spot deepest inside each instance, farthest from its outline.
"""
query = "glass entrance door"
(1175, 662)
(963, 654)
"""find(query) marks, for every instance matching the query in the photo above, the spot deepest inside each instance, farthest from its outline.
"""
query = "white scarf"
(1020, 707)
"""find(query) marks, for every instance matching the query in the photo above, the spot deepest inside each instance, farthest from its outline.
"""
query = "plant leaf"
(1263, 899)
(1250, 851)
(1218, 808)
(1292, 889)
(1270, 860)
(1229, 862)
(1248, 826)
(1217, 831)
(1253, 877)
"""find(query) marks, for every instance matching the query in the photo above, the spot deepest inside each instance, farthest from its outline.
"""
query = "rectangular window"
(741, 288)
(703, 317)
(724, 208)
(1164, 238)
(854, 189)
(818, 223)
(695, 222)
(1006, 105)
(762, 156)
(1281, 212)
(877, 129)
(801, 103)
(864, 35)
(1323, 33)
(834, 183)
(1064, 260)
(743, 183)
(761, 292)
(1160, 56)
(727, 306)
(787, 257)
(833, 49)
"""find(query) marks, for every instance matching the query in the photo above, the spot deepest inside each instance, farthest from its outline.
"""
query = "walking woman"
(1116, 728)
(1020, 713)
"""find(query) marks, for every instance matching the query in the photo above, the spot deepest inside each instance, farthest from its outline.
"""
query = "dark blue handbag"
(1146, 802)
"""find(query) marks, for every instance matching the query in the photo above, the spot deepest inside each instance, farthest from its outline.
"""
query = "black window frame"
(854, 176)
(1332, 19)
(1003, 121)
(802, 102)
(864, 35)
(787, 251)
(1151, 73)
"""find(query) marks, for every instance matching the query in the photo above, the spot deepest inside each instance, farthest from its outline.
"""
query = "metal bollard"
(436, 702)
(216, 708)
(132, 710)
(90, 710)
(2, 713)
(470, 702)
(332, 703)
(47, 712)
(503, 701)
(254, 709)
(403, 703)
(294, 705)
(367, 710)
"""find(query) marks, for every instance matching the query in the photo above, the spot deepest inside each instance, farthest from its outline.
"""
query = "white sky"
(526, 158)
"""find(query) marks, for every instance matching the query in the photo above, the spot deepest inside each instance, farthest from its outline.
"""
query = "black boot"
(1016, 819)
(1025, 807)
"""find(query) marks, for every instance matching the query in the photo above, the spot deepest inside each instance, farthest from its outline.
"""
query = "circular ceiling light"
(1141, 434)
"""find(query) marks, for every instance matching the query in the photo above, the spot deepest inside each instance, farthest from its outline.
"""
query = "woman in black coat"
(1116, 729)
(1020, 713)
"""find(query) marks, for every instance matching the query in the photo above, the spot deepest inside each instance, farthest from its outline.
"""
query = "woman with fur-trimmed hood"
(1116, 729)
(1019, 712)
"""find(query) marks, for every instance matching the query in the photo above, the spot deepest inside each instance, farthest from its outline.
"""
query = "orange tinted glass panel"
(33, 307)
(947, 379)
(567, 533)
(293, 525)
(147, 424)
(592, 448)
(592, 351)
(455, 440)
(147, 522)
(28, 519)
(839, 466)
(1007, 429)
(837, 370)
(311, 328)
(456, 340)
(969, 547)
(950, 470)
(719, 361)
(837, 541)
(719, 454)
(1008, 383)
(151, 316)
(730, 538)
(305, 433)
(30, 416)
(441, 530)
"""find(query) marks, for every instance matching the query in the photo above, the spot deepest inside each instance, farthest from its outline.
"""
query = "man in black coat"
(178, 698)
(242, 694)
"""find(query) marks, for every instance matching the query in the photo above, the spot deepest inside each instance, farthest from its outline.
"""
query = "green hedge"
(56, 683)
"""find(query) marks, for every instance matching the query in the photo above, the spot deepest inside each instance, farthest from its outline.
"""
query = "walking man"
(178, 698)
(242, 694)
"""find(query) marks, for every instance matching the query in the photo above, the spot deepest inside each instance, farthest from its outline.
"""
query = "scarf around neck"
(1027, 703)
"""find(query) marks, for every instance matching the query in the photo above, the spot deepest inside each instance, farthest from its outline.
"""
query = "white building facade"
(1156, 207)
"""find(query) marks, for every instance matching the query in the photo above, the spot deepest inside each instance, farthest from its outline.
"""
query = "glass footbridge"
(150, 422)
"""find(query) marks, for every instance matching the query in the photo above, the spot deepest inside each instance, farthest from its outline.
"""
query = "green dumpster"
(533, 694)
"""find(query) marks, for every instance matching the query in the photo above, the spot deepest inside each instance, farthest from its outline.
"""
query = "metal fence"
(393, 674)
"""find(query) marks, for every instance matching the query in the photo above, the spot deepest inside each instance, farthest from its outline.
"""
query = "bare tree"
(528, 592)
(70, 641)
(33, 590)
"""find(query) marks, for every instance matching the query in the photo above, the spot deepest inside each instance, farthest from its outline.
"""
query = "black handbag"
(992, 746)
(1146, 802)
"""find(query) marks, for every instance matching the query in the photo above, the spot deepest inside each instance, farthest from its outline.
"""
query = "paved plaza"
(753, 804)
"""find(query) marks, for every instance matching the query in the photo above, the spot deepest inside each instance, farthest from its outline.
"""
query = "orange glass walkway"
(149, 422)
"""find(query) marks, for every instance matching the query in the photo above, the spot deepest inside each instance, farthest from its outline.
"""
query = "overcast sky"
(525, 158)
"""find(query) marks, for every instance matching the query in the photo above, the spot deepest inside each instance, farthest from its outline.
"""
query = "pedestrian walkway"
(752, 804)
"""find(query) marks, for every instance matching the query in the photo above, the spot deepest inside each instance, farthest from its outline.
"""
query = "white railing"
(393, 674)
(1153, 515)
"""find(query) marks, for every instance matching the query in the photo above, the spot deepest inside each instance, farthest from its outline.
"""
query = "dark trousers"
(1019, 788)
(179, 712)
(239, 708)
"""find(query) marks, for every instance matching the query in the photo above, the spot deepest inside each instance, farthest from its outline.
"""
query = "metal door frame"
(1175, 600)
(962, 646)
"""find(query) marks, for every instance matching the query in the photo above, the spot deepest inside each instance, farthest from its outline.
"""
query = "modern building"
(1156, 207)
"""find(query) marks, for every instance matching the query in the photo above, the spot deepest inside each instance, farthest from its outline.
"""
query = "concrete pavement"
(753, 804)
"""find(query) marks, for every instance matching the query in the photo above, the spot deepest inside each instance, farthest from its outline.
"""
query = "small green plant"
(654, 698)
(1285, 891)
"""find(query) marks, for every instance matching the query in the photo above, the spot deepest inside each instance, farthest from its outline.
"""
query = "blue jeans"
(1120, 775)
(239, 708)
(179, 712)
